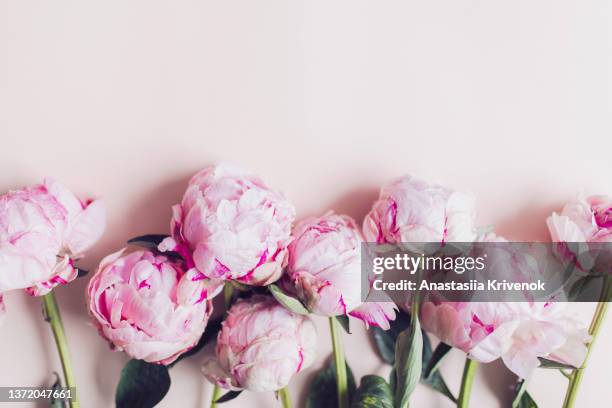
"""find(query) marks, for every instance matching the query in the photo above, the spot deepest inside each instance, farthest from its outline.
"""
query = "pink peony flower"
(325, 268)
(231, 226)
(325, 265)
(144, 304)
(584, 220)
(261, 346)
(410, 210)
(516, 332)
(43, 230)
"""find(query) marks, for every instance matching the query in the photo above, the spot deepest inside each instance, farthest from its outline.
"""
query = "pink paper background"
(327, 101)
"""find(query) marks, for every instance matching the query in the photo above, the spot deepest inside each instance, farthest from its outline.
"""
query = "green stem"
(285, 398)
(469, 371)
(53, 316)
(339, 361)
(596, 323)
(215, 396)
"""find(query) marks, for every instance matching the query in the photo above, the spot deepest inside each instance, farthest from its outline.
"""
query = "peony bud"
(410, 210)
(231, 226)
(325, 269)
(43, 230)
(324, 264)
(141, 303)
(261, 346)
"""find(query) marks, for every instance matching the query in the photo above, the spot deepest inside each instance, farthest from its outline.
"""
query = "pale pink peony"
(516, 332)
(43, 230)
(231, 226)
(261, 346)
(146, 305)
(325, 268)
(583, 220)
(410, 210)
(325, 265)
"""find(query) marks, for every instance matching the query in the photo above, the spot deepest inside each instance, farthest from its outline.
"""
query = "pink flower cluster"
(231, 227)
(410, 210)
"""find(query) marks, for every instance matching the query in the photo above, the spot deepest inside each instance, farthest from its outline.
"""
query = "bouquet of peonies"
(232, 235)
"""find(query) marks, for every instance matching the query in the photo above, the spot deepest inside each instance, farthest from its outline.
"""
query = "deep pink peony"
(231, 226)
(516, 332)
(325, 268)
(146, 305)
(583, 220)
(43, 230)
(410, 210)
(261, 346)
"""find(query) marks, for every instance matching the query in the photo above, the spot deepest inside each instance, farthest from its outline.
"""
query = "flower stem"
(285, 398)
(215, 396)
(53, 316)
(596, 323)
(469, 371)
(339, 361)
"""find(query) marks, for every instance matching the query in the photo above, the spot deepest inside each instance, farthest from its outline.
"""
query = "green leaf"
(436, 358)
(522, 398)
(57, 386)
(546, 363)
(142, 385)
(287, 301)
(373, 392)
(344, 322)
(322, 392)
(148, 241)
(210, 334)
(228, 396)
(385, 339)
(408, 362)
(82, 272)
(434, 380)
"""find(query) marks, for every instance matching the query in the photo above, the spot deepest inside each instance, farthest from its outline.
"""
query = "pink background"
(326, 101)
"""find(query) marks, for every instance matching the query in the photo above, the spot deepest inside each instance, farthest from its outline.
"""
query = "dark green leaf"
(81, 272)
(57, 386)
(228, 396)
(287, 301)
(385, 339)
(522, 398)
(408, 362)
(436, 358)
(582, 285)
(385, 344)
(142, 385)
(344, 322)
(434, 380)
(148, 241)
(322, 392)
(210, 334)
(373, 392)
(545, 363)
